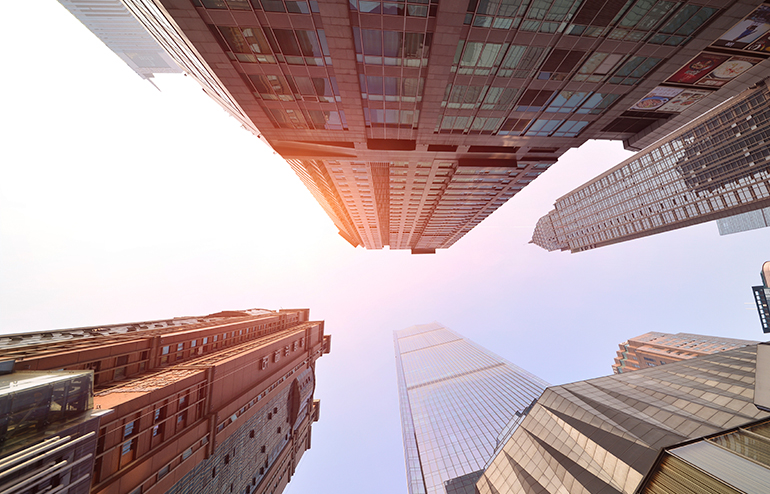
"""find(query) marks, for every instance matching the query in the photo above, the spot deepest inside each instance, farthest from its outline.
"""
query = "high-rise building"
(112, 23)
(751, 220)
(653, 349)
(222, 402)
(762, 297)
(603, 435)
(412, 121)
(458, 403)
(715, 167)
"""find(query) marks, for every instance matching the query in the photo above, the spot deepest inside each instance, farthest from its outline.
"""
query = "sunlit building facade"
(603, 435)
(653, 349)
(716, 167)
(222, 402)
(751, 220)
(410, 122)
(458, 403)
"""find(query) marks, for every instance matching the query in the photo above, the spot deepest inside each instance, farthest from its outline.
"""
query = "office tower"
(715, 167)
(48, 429)
(603, 435)
(653, 348)
(458, 403)
(112, 23)
(410, 122)
(762, 297)
(751, 220)
(222, 402)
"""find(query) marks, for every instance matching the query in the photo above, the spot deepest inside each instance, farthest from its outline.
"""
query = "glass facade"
(604, 434)
(716, 167)
(456, 399)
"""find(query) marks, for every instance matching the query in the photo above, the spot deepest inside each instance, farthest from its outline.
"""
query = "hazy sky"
(122, 203)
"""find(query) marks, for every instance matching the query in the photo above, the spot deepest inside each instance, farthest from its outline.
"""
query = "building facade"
(124, 35)
(751, 220)
(762, 297)
(410, 122)
(223, 402)
(715, 167)
(48, 430)
(603, 435)
(653, 349)
(458, 403)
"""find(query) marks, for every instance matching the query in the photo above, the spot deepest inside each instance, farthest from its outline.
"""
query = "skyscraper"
(603, 435)
(715, 167)
(762, 297)
(751, 220)
(653, 349)
(222, 402)
(458, 403)
(412, 121)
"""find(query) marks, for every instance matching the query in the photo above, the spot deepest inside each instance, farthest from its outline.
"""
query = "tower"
(223, 402)
(410, 122)
(458, 403)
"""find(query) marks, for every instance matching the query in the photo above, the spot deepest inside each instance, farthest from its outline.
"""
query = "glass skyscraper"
(458, 403)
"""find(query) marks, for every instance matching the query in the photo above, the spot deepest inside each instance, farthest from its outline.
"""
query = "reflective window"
(634, 70)
(380, 47)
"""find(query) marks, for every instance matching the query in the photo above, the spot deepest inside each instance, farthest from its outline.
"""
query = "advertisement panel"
(751, 29)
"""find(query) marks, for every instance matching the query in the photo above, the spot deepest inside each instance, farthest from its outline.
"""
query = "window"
(598, 66)
(308, 119)
(163, 471)
(597, 103)
(543, 127)
(295, 47)
(180, 347)
(411, 8)
(643, 17)
(634, 70)
(376, 88)
(566, 102)
(187, 453)
(571, 128)
(382, 47)
(465, 97)
(682, 25)
(127, 447)
(165, 350)
(193, 343)
(473, 57)
(205, 340)
(128, 429)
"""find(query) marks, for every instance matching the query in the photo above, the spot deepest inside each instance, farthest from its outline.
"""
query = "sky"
(120, 202)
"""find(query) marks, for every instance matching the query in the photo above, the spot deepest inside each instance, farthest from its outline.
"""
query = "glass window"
(597, 103)
(634, 70)
(127, 447)
(598, 66)
(521, 61)
(128, 429)
(542, 127)
(571, 128)
(499, 98)
(566, 101)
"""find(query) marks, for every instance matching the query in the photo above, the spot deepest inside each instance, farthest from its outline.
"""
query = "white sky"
(122, 203)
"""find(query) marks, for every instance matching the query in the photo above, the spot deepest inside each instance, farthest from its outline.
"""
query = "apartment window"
(187, 453)
(473, 57)
(411, 8)
(127, 447)
(394, 118)
(128, 429)
(465, 97)
(163, 471)
(381, 47)
(287, 118)
(533, 100)
(300, 47)
(193, 343)
(377, 88)
(205, 340)
(180, 347)
(165, 350)
(291, 6)
(499, 98)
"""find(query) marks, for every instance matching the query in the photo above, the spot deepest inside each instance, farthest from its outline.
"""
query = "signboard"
(656, 98)
(712, 70)
(683, 100)
(753, 28)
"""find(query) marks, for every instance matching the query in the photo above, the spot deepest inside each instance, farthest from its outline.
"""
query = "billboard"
(752, 29)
